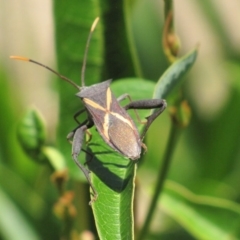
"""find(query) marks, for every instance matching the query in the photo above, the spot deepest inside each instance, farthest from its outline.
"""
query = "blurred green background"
(206, 160)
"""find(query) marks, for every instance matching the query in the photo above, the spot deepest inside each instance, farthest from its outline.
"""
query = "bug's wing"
(112, 121)
(124, 138)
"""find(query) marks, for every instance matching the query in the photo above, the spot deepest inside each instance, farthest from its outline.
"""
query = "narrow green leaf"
(204, 217)
(55, 158)
(72, 26)
(223, 153)
(35, 205)
(128, 13)
(9, 102)
(13, 224)
(214, 17)
(118, 53)
(113, 175)
(173, 75)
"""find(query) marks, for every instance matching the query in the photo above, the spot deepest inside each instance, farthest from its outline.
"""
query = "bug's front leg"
(88, 122)
(75, 116)
(161, 104)
(76, 149)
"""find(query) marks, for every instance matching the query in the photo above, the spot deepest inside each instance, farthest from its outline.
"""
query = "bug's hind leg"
(159, 104)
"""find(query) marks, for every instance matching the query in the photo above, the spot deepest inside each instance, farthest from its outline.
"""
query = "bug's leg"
(71, 134)
(76, 148)
(88, 122)
(123, 97)
(77, 114)
(161, 104)
(144, 147)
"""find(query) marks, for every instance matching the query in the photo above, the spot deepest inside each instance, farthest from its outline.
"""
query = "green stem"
(174, 133)
(128, 8)
(168, 8)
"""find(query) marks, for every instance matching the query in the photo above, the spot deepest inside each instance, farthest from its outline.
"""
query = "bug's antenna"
(86, 51)
(50, 69)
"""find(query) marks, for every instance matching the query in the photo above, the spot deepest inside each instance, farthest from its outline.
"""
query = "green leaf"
(204, 217)
(55, 158)
(72, 26)
(31, 133)
(225, 127)
(172, 77)
(35, 204)
(128, 14)
(113, 175)
(13, 224)
(214, 17)
(118, 55)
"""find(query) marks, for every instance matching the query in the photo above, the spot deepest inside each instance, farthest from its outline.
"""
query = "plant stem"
(163, 171)
(168, 8)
